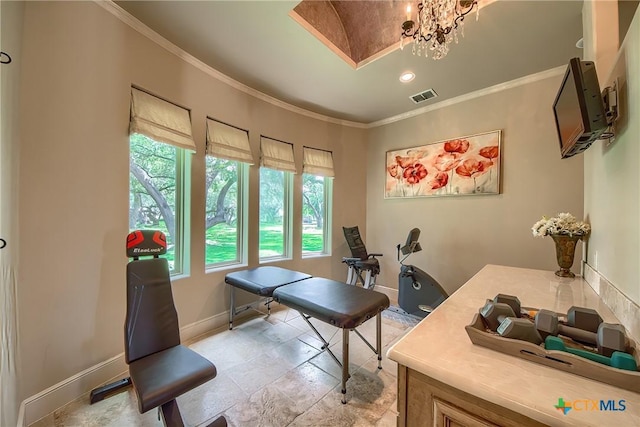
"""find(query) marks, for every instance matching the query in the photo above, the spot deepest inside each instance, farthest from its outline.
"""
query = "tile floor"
(271, 372)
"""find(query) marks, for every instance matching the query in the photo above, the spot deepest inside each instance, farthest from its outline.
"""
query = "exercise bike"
(418, 293)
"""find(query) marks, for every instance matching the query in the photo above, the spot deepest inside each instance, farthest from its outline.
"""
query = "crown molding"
(472, 95)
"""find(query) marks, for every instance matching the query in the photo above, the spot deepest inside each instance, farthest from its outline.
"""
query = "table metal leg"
(232, 306)
(379, 338)
(345, 363)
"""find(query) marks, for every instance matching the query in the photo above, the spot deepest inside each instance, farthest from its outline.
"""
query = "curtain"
(11, 23)
(277, 155)
(228, 142)
(317, 162)
(160, 120)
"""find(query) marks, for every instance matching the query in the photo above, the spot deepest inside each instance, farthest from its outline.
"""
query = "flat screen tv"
(579, 108)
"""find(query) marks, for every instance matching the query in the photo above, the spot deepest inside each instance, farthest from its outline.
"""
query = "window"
(224, 217)
(275, 202)
(158, 189)
(227, 171)
(317, 192)
(160, 147)
(276, 190)
(316, 210)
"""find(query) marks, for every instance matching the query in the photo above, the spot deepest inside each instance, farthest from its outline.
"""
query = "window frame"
(287, 219)
(183, 213)
(242, 203)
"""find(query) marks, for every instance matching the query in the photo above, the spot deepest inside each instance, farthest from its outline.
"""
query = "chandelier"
(438, 22)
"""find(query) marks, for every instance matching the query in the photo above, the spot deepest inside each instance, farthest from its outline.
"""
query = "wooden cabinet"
(423, 401)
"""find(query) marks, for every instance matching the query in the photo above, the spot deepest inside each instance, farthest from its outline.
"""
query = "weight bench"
(336, 303)
(160, 368)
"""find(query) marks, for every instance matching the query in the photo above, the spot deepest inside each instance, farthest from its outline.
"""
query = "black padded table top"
(263, 280)
(339, 304)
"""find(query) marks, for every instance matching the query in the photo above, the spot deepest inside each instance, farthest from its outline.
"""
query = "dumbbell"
(501, 318)
(511, 300)
(609, 337)
(584, 318)
(618, 359)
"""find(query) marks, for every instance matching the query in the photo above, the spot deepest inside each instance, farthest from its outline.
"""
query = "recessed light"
(407, 76)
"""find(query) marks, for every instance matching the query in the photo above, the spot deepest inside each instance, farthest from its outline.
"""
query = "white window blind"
(277, 155)
(317, 162)
(228, 142)
(160, 120)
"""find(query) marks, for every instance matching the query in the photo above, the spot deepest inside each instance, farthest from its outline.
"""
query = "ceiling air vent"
(423, 96)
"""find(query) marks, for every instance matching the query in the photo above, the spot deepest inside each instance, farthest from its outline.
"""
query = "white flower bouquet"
(564, 223)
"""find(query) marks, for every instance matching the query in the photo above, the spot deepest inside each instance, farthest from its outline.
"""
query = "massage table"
(336, 303)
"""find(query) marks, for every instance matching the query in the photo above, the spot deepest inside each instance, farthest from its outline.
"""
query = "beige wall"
(462, 234)
(612, 176)
(79, 63)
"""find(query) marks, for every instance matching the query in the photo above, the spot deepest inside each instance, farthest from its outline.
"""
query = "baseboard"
(47, 401)
(627, 311)
(194, 330)
(58, 395)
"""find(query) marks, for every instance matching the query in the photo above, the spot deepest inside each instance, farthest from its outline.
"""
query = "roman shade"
(228, 142)
(277, 155)
(160, 120)
(317, 162)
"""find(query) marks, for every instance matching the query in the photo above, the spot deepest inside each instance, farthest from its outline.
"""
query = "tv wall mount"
(610, 99)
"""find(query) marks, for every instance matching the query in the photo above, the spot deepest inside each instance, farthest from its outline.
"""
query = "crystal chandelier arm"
(437, 24)
(460, 18)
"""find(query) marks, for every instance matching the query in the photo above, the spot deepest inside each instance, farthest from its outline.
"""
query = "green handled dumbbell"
(609, 338)
(618, 359)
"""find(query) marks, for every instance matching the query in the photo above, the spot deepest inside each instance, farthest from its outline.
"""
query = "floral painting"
(461, 166)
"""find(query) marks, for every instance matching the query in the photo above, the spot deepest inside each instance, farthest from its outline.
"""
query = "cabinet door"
(426, 402)
(446, 415)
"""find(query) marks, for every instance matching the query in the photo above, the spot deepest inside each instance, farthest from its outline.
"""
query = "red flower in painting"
(456, 146)
(414, 173)
(393, 170)
(470, 168)
(404, 162)
(440, 180)
(446, 161)
(489, 152)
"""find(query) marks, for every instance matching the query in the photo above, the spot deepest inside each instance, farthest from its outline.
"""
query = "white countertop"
(440, 348)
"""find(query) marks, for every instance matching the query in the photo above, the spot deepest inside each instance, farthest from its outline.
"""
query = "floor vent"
(423, 96)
